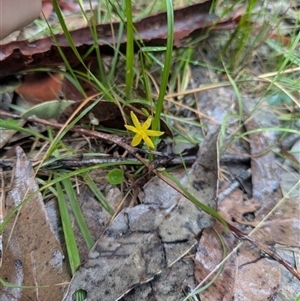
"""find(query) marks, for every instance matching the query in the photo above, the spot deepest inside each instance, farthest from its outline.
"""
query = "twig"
(235, 184)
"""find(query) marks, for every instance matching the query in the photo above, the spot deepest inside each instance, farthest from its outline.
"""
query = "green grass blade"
(60, 178)
(78, 213)
(288, 57)
(202, 206)
(93, 29)
(70, 41)
(11, 285)
(98, 194)
(70, 125)
(167, 67)
(73, 254)
(238, 95)
(145, 80)
(129, 49)
(115, 59)
(11, 124)
(80, 59)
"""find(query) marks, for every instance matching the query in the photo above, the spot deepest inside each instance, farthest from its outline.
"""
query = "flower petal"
(136, 140)
(148, 141)
(147, 124)
(132, 128)
(135, 121)
(153, 133)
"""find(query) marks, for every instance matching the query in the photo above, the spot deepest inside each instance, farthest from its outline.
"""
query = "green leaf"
(115, 176)
(279, 98)
(48, 110)
(129, 49)
(74, 203)
(70, 240)
(166, 69)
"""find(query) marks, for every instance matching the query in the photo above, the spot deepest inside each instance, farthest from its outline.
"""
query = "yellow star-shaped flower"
(141, 131)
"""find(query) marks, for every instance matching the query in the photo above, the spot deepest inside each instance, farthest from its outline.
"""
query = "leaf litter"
(248, 273)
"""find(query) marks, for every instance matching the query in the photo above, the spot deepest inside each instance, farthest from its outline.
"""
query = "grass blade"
(129, 49)
(73, 254)
(78, 213)
(98, 194)
(167, 67)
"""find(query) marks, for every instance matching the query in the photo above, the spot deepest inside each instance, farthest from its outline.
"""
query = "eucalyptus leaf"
(48, 110)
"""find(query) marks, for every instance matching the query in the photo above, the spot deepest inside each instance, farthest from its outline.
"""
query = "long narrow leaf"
(78, 213)
(98, 194)
(70, 241)
(201, 205)
(129, 49)
(167, 67)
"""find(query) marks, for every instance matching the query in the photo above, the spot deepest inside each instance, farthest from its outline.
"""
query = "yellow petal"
(132, 128)
(148, 141)
(154, 133)
(147, 124)
(135, 121)
(136, 140)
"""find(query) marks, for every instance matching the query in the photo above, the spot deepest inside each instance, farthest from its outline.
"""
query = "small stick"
(235, 184)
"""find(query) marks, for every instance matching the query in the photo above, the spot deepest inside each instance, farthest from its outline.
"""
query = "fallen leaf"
(32, 255)
(246, 275)
(48, 110)
(234, 208)
(38, 87)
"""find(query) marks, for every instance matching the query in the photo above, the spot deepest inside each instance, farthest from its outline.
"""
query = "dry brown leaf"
(246, 275)
(38, 87)
(265, 170)
(32, 255)
(233, 208)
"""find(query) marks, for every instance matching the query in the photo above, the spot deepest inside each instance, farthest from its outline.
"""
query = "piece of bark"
(152, 31)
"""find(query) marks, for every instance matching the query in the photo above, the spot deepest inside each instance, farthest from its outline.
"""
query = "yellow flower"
(141, 131)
